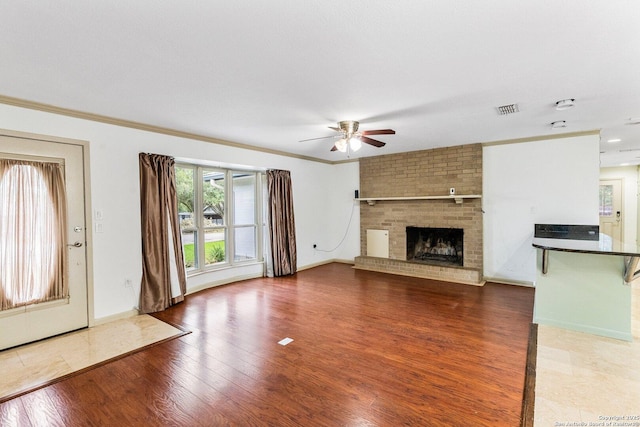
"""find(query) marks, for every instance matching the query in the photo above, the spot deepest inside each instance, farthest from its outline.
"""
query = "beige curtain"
(33, 226)
(164, 281)
(282, 227)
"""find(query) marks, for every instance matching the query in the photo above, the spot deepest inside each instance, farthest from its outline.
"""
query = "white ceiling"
(271, 73)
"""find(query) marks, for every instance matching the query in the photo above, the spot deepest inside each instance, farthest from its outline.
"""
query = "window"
(32, 229)
(219, 211)
(606, 200)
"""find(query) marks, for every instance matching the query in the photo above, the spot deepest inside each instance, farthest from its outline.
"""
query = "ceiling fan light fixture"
(565, 104)
(349, 126)
(354, 143)
(341, 145)
(350, 139)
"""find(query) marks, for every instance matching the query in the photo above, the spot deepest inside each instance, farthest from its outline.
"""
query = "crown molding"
(32, 105)
(541, 138)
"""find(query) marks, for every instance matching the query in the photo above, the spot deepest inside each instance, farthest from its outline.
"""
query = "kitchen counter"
(602, 246)
(583, 285)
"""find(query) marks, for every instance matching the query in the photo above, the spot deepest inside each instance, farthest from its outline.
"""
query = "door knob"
(75, 245)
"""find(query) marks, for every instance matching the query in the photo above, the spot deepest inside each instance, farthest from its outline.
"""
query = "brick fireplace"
(435, 246)
(418, 174)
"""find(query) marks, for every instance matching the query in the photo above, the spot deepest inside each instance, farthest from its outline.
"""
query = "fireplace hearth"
(435, 246)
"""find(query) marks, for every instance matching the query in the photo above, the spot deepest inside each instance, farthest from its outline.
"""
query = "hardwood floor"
(369, 349)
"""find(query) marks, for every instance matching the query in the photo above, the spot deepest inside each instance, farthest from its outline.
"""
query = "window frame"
(228, 226)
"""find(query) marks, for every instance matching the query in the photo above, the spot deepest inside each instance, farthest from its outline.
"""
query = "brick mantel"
(418, 174)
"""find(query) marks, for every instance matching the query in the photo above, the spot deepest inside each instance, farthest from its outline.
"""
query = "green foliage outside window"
(213, 193)
(214, 252)
(606, 200)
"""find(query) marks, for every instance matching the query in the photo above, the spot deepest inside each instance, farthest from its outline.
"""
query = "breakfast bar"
(582, 283)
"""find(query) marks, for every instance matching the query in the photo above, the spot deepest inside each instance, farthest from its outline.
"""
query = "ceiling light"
(565, 104)
(559, 124)
(612, 140)
(624, 164)
(341, 145)
(354, 143)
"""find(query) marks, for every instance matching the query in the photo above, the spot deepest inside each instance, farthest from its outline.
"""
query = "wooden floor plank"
(14, 414)
(369, 349)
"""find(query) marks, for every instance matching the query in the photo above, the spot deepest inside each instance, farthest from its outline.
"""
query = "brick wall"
(424, 173)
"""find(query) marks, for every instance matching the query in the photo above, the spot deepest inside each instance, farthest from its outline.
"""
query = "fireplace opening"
(436, 246)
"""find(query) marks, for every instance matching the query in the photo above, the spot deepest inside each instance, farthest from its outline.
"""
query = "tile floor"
(586, 380)
(31, 365)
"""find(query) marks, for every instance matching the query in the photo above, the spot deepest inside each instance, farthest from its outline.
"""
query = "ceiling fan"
(351, 139)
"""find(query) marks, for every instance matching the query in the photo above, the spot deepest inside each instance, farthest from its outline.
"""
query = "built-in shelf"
(459, 198)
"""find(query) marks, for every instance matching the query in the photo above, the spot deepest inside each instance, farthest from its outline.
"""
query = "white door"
(611, 210)
(25, 324)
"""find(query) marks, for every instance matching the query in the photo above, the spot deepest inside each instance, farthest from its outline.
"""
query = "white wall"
(319, 199)
(546, 181)
(629, 177)
(337, 230)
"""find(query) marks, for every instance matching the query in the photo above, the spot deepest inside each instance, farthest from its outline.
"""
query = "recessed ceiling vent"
(503, 110)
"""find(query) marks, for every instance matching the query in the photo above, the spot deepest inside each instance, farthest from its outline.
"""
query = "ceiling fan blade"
(373, 142)
(334, 148)
(313, 139)
(335, 128)
(379, 132)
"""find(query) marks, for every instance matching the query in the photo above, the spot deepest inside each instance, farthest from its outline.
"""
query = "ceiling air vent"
(507, 109)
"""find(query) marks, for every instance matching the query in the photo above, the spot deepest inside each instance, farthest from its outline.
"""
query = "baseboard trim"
(329, 261)
(503, 281)
(223, 282)
(588, 329)
(114, 317)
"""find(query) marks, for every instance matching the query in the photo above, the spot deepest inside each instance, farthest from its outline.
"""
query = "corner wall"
(545, 181)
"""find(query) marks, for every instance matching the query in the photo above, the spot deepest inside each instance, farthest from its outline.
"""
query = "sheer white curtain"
(268, 258)
(32, 233)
